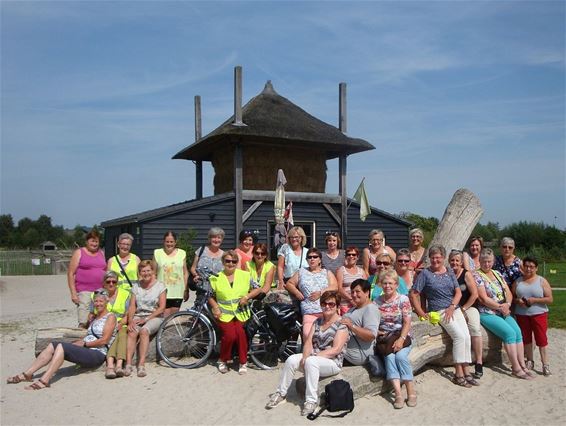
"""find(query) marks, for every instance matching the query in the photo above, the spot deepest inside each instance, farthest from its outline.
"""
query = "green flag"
(361, 197)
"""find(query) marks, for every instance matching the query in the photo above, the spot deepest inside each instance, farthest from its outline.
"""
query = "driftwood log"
(459, 219)
(431, 346)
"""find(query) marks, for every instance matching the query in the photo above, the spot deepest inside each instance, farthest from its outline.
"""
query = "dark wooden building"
(266, 134)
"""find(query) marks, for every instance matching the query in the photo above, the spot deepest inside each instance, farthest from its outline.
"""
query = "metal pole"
(198, 135)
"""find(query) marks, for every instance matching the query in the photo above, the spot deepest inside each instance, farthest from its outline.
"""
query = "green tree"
(6, 230)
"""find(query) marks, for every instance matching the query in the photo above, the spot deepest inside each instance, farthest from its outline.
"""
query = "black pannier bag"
(281, 319)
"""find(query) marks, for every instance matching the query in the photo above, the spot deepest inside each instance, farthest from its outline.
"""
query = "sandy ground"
(204, 396)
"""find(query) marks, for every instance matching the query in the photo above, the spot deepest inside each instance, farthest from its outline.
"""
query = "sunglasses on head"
(332, 233)
(328, 304)
(100, 293)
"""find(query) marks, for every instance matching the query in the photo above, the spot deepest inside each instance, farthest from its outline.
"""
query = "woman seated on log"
(323, 353)
(472, 257)
(118, 304)
(89, 352)
(306, 285)
(442, 292)
(362, 322)
(394, 341)
(145, 315)
(469, 291)
(495, 313)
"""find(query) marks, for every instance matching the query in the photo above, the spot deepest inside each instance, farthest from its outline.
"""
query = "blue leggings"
(506, 328)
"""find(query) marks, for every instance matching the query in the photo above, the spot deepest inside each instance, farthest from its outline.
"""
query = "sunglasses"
(100, 293)
(110, 281)
(312, 257)
(351, 254)
(230, 261)
(328, 304)
(260, 253)
(378, 263)
(403, 260)
(508, 247)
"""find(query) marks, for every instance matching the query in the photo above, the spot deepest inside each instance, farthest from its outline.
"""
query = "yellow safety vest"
(120, 305)
(131, 269)
(228, 296)
(267, 266)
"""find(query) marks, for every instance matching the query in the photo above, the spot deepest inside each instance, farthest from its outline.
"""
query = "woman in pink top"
(86, 269)
(247, 240)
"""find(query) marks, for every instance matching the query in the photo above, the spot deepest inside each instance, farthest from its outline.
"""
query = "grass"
(554, 272)
(557, 312)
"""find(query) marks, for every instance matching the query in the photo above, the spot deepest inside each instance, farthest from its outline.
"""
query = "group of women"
(351, 308)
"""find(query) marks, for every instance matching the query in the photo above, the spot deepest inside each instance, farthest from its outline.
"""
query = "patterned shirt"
(95, 332)
(494, 290)
(322, 340)
(309, 283)
(393, 312)
(509, 273)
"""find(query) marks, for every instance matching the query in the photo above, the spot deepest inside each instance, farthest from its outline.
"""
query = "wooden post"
(342, 165)
(238, 190)
(459, 219)
(198, 135)
(238, 97)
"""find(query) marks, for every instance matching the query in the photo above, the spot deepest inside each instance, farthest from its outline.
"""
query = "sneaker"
(530, 364)
(243, 369)
(546, 370)
(308, 408)
(222, 367)
(275, 400)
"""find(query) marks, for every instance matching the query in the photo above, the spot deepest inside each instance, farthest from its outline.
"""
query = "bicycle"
(188, 339)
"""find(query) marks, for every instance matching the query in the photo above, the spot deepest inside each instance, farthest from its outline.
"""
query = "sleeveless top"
(205, 260)
(530, 290)
(244, 258)
(90, 271)
(348, 279)
(95, 331)
(463, 288)
(292, 262)
(267, 266)
(494, 290)
(309, 283)
(147, 299)
(131, 268)
(322, 340)
(330, 264)
(170, 271)
(509, 273)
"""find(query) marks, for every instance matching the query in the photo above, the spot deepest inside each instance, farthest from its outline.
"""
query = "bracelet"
(402, 337)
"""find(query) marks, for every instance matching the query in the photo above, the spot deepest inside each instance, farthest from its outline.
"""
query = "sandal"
(461, 381)
(110, 373)
(38, 385)
(522, 375)
(411, 400)
(119, 372)
(471, 380)
(478, 373)
(19, 378)
(141, 371)
(399, 402)
(128, 370)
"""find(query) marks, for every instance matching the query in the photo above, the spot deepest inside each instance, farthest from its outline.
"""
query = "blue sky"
(98, 96)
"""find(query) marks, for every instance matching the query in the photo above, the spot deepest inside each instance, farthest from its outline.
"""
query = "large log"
(459, 219)
(431, 346)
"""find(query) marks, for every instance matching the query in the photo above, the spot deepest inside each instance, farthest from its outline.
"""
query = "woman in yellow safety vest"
(232, 289)
(125, 263)
(118, 303)
(261, 269)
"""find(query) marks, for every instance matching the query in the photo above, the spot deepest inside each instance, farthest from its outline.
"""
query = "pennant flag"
(289, 215)
(361, 197)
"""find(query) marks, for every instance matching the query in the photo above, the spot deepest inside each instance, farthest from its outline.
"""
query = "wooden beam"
(342, 169)
(332, 213)
(342, 117)
(305, 197)
(251, 211)
(238, 189)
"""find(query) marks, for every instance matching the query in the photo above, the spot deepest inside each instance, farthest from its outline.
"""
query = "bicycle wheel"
(263, 347)
(292, 346)
(185, 340)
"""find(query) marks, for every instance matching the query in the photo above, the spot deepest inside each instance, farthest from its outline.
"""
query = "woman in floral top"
(508, 265)
(395, 310)
(494, 306)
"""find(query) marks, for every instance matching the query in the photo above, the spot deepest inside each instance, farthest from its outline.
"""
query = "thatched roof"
(274, 120)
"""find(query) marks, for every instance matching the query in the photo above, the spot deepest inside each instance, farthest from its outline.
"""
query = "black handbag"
(338, 396)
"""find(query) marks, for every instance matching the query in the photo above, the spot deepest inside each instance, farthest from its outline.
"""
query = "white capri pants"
(315, 367)
(457, 328)
(473, 318)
